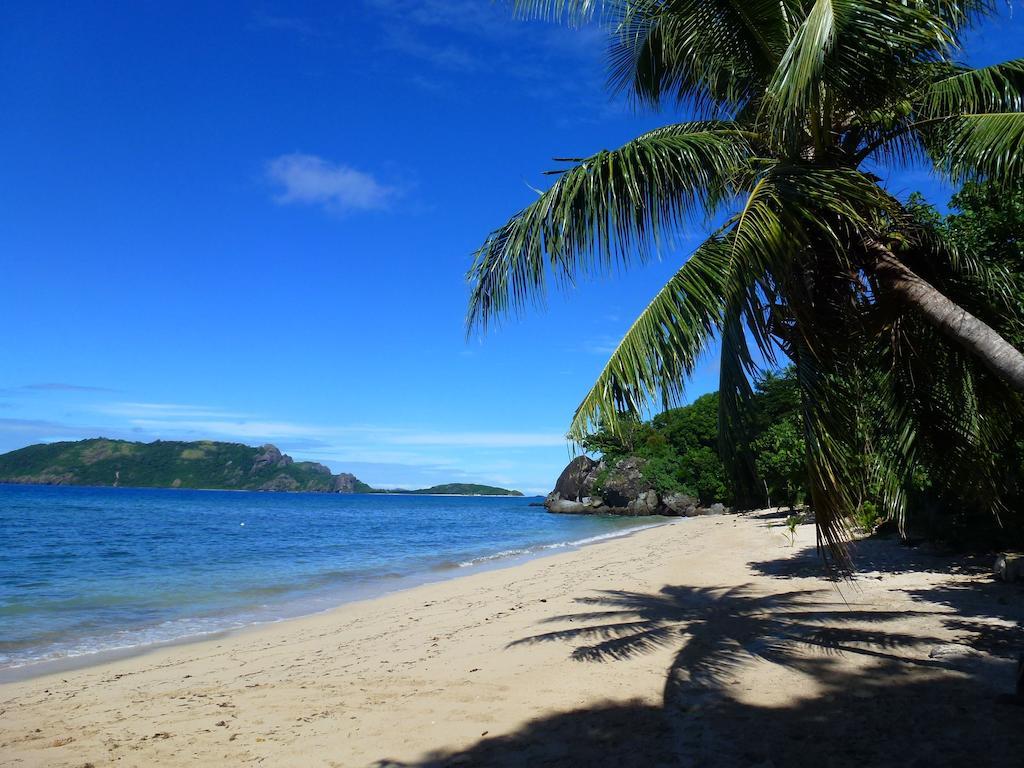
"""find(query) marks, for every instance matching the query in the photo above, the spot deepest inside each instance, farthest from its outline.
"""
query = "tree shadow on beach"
(897, 706)
(873, 557)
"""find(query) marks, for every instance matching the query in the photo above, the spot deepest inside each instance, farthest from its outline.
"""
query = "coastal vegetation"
(201, 464)
(678, 451)
(679, 448)
(901, 338)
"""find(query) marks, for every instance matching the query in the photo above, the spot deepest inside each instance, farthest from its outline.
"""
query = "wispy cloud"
(167, 411)
(478, 439)
(263, 20)
(446, 56)
(55, 386)
(477, 36)
(602, 345)
(388, 456)
(338, 188)
(175, 419)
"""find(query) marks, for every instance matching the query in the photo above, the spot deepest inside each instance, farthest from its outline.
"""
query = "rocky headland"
(597, 487)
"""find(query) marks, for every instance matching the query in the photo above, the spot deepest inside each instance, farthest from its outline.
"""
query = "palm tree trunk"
(952, 320)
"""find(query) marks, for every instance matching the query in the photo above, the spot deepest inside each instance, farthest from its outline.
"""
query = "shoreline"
(379, 587)
(256, 490)
(667, 646)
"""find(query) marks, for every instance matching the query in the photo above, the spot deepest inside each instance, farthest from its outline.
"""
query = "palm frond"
(572, 11)
(989, 145)
(610, 209)
(661, 348)
(828, 423)
(996, 88)
(850, 52)
(713, 54)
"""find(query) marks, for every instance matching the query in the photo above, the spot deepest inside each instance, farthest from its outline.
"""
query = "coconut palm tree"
(798, 106)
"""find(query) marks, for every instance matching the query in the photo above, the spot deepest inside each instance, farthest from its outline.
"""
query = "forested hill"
(202, 464)
(458, 489)
(171, 464)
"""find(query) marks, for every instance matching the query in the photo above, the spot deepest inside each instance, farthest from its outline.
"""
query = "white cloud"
(168, 419)
(312, 180)
(167, 410)
(479, 439)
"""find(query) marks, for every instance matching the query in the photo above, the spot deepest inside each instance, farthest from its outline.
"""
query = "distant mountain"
(171, 464)
(457, 489)
(202, 464)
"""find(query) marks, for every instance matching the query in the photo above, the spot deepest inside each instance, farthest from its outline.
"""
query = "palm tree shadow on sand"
(897, 706)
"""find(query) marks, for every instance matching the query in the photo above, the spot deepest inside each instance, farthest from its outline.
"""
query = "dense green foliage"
(681, 447)
(457, 489)
(950, 490)
(161, 464)
(800, 108)
(962, 481)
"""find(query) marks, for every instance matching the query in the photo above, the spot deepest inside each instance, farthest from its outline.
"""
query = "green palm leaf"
(661, 348)
(612, 208)
(997, 88)
(808, 262)
(984, 146)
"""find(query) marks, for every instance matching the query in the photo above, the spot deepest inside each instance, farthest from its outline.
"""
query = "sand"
(708, 641)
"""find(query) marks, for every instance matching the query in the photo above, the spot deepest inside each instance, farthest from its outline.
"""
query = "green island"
(203, 464)
(454, 489)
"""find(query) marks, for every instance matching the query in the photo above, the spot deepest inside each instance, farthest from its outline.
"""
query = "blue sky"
(252, 221)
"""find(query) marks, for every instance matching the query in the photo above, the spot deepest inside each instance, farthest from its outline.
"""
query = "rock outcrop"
(345, 483)
(589, 487)
(271, 457)
(281, 483)
(571, 483)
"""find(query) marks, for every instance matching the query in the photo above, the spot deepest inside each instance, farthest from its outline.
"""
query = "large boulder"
(624, 482)
(680, 504)
(555, 503)
(570, 484)
(646, 503)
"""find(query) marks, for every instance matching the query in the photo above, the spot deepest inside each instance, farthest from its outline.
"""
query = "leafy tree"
(797, 103)
(780, 461)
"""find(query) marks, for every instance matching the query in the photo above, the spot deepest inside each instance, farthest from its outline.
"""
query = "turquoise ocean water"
(87, 570)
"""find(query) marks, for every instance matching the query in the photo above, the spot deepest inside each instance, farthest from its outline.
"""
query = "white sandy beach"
(710, 641)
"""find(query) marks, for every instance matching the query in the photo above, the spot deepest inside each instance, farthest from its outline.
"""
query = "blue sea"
(90, 570)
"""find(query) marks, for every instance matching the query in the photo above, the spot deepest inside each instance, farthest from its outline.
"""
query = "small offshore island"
(204, 464)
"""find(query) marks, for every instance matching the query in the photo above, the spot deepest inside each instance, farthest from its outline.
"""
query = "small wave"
(555, 545)
(124, 641)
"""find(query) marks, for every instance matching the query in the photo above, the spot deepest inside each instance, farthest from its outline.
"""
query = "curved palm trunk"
(952, 320)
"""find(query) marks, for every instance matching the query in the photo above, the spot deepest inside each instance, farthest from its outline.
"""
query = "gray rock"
(625, 482)
(271, 457)
(1010, 567)
(555, 503)
(570, 484)
(957, 656)
(646, 503)
(680, 504)
(345, 483)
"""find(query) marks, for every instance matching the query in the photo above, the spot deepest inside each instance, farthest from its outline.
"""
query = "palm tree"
(798, 105)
